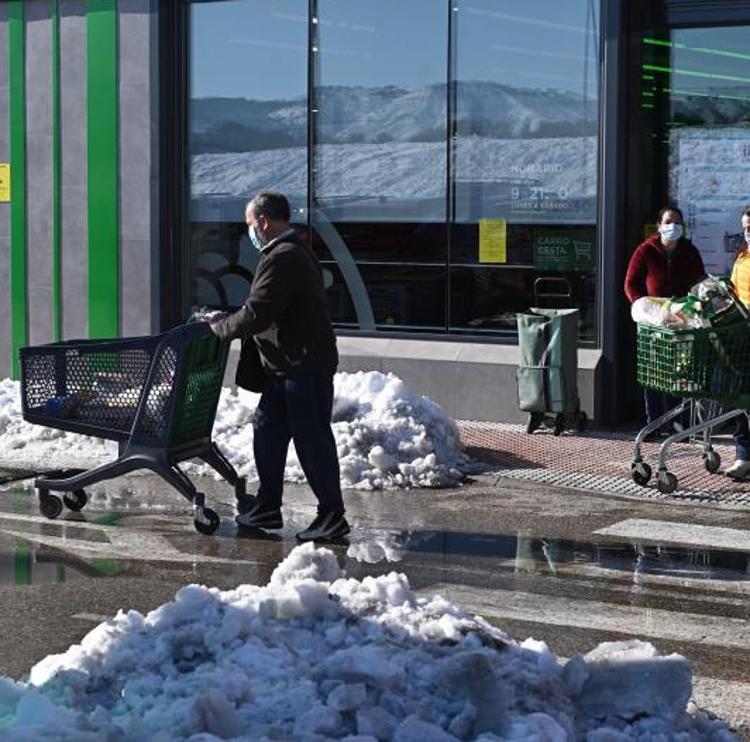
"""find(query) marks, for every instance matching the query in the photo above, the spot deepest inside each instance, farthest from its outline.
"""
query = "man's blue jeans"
(297, 407)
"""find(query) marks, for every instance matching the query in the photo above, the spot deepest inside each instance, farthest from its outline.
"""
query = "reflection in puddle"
(25, 563)
(525, 553)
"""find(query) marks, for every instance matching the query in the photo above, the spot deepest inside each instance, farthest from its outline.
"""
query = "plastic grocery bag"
(651, 310)
(718, 300)
(659, 311)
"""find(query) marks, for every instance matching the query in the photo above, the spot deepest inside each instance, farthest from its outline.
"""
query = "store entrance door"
(693, 142)
(689, 124)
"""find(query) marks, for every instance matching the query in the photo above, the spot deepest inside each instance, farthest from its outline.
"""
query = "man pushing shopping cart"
(157, 396)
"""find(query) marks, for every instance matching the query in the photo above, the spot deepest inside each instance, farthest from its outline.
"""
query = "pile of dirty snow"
(313, 653)
(386, 435)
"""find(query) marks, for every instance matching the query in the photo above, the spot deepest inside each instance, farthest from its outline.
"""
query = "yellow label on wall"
(4, 181)
(493, 240)
(649, 228)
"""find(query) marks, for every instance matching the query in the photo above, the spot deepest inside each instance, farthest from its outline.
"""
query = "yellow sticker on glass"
(493, 241)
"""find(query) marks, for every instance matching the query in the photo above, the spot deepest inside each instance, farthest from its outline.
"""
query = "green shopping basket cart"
(698, 365)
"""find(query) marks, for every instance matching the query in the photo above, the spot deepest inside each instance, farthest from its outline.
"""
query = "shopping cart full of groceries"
(696, 349)
(156, 396)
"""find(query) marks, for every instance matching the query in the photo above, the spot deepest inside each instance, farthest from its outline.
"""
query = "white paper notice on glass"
(710, 177)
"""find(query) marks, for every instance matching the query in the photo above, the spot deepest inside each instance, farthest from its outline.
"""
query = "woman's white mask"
(671, 232)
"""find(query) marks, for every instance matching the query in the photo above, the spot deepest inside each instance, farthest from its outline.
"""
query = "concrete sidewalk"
(600, 462)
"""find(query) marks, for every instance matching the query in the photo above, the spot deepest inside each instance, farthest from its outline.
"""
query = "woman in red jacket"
(665, 264)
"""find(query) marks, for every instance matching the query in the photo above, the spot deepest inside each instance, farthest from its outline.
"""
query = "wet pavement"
(565, 565)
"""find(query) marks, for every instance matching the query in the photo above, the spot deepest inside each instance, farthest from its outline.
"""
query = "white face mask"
(671, 232)
(747, 237)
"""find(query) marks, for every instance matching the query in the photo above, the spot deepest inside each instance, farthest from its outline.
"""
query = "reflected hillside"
(352, 115)
(529, 152)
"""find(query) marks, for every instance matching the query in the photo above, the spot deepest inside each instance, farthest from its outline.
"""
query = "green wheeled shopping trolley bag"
(547, 374)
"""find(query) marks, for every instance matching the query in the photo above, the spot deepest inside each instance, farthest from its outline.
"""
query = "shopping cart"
(710, 369)
(156, 396)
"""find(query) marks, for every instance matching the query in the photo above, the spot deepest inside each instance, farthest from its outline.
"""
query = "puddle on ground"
(528, 554)
(25, 563)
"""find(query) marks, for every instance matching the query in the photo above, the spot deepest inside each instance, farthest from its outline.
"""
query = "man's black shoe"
(260, 516)
(325, 527)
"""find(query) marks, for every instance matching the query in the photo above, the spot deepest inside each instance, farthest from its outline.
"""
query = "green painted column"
(18, 286)
(103, 168)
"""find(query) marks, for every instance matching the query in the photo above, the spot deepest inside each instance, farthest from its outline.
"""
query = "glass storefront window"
(452, 149)
(525, 148)
(247, 115)
(380, 111)
(379, 160)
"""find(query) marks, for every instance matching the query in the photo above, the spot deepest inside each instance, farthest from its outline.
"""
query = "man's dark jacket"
(286, 314)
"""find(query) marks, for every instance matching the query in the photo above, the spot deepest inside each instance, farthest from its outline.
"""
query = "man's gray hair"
(271, 204)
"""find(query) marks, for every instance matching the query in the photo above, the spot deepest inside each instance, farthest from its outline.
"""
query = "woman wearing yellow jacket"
(741, 280)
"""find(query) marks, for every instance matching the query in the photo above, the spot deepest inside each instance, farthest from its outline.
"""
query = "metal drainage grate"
(600, 462)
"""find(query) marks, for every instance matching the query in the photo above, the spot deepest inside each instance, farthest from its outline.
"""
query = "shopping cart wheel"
(559, 423)
(666, 482)
(640, 472)
(49, 505)
(207, 523)
(712, 462)
(535, 420)
(75, 500)
(580, 421)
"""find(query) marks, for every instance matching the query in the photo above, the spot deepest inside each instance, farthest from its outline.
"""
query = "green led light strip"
(696, 94)
(702, 49)
(694, 73)
(18, 288)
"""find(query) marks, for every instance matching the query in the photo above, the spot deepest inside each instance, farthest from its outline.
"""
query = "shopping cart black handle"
(94, 344)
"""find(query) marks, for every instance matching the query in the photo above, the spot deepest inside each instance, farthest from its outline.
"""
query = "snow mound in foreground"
(314, 655)
(386, 435)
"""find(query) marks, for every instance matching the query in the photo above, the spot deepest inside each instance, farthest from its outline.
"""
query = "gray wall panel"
(39, 169)
(154, 90)
(5, 316)
(138, 129)
(74, 227)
